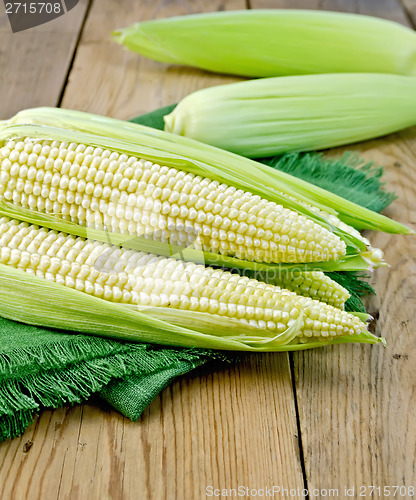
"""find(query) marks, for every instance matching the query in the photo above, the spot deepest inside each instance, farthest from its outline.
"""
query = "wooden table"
(329, 418)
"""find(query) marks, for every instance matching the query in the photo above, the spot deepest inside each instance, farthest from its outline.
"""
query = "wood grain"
(110, 80)
(357, 405)
(37, 61)
(387, 9)
(225, 428)
(410, 8)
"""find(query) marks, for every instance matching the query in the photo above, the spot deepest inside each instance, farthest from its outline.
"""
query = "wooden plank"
(220, 428)
(35, 62)
(356, 403)
(410, 8)
(123, 84)
(210, 429)
(387, 9)
(225, 428)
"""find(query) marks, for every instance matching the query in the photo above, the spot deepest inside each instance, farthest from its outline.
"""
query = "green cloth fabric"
(41, 367)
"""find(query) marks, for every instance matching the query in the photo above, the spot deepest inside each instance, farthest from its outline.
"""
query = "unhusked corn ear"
(119, 275)
(314, 284)
(270, 116)
(107, 190)
(259, 43)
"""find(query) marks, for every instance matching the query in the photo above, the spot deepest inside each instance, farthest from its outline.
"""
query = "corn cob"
(260, 43)
(120, 275)
(269, 116)
(197, 158)
(314, 284)
(104, 189)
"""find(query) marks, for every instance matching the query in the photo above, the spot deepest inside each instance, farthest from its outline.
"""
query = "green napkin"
(42, 367)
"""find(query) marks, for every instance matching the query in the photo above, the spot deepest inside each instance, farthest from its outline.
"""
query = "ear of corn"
(374, 256)
(197, 158)
(39, 175)
(22, 296)
(103, 189)
(188, 254)
(265, 117)
(102, 289)
(260, 43)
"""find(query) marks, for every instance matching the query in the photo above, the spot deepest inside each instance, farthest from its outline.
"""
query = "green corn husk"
(265, 117)
(259, 43)
(200, 159)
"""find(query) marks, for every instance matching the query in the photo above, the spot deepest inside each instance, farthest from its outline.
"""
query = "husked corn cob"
(126, 276)
(314, 284)
(107, 190)
(199, 158)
